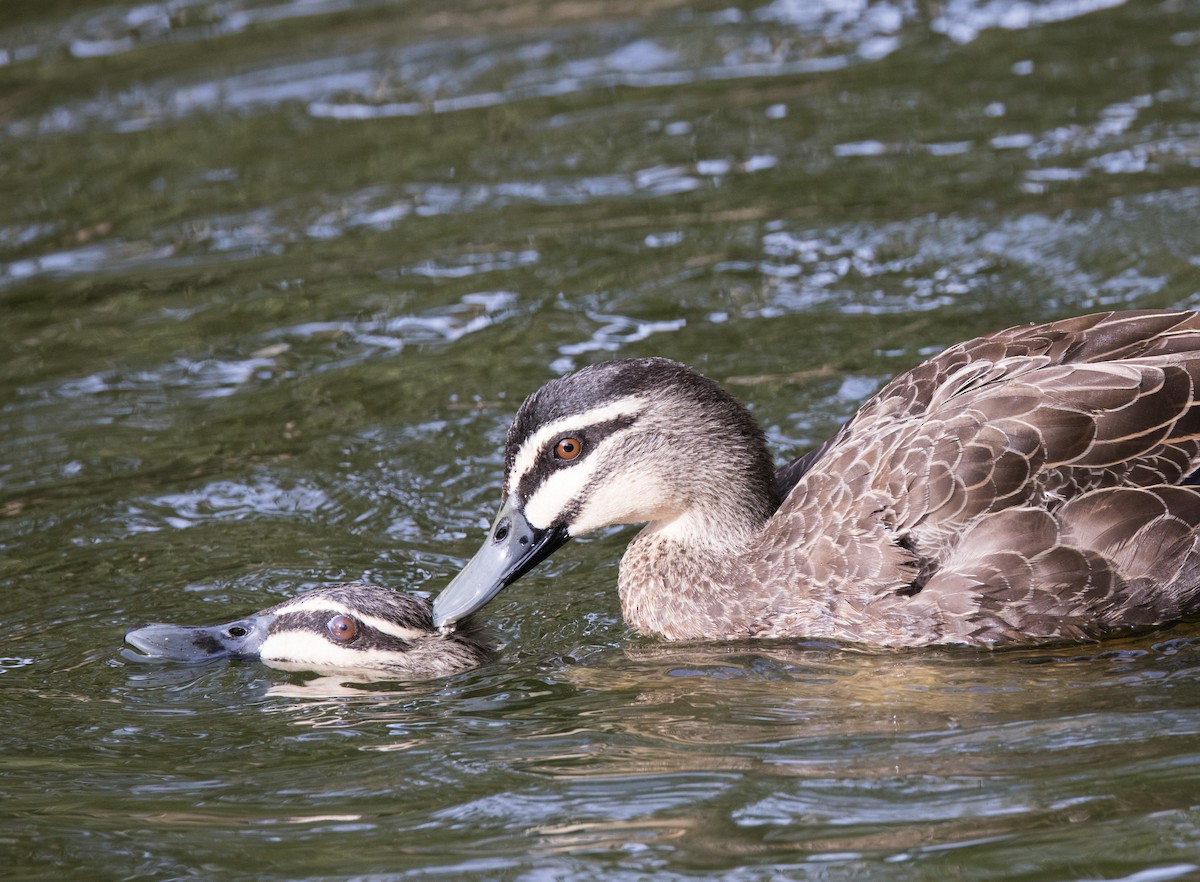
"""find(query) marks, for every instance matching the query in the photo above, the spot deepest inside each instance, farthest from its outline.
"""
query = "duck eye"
(342, 628)
(568, 448)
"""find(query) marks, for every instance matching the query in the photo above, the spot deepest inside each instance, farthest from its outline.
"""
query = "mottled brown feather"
(1022, 486)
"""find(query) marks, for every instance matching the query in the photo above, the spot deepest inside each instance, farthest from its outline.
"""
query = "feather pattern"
(1029, 484)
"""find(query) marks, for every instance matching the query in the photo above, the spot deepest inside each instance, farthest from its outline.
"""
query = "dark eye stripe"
(315, 622)
(545, 464)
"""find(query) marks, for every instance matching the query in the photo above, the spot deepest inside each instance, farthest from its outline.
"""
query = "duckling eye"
(568, 448)
(342, 628)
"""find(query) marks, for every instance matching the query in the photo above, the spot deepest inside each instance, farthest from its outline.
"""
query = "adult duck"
(346, 627)
(1031, 484)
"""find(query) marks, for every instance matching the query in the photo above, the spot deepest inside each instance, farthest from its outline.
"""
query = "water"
(274, 277)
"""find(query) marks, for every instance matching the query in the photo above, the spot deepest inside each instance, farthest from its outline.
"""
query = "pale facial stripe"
(618, 499)
(308, 648)
(527, 456)
(562, 488)
(333, 608)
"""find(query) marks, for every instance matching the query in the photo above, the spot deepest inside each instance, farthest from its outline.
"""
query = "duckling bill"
(346, 627)
(1037, 483)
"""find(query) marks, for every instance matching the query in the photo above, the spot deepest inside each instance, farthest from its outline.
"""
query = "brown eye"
(342, 628)
(568, 448)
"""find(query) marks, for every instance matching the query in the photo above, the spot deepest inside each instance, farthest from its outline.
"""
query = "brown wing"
(1109, 559)
(1099, 338)
(993, 472)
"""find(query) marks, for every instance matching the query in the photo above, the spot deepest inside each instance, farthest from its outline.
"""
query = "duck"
(1034, 484)
(351, 626)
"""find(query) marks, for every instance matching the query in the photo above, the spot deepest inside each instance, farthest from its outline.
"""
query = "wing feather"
(1029, 479)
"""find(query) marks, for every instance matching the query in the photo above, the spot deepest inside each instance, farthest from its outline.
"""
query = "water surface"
(274, 276)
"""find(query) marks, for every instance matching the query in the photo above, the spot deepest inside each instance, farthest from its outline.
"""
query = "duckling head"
(346, 627)
(643, 440)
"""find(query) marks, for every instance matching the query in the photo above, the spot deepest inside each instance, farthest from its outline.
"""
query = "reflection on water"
(274, 275)
(787, 752)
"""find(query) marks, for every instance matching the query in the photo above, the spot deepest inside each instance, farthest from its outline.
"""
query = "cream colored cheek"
(623, 500)
(557, 494)
(312, 649)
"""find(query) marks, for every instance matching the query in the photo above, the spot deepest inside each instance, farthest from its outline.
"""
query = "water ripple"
(204, 378)
(612, 333)
(228, 502)
(220, 239)
(963, 20)
(931, 262)
(117, 29)
(472, 313)
(437, 75)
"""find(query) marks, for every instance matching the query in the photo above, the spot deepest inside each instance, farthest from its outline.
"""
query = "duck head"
(347, 627)
(643, 440)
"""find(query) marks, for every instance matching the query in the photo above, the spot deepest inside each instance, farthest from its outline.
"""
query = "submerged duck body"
(347, 627)
(1036, 483)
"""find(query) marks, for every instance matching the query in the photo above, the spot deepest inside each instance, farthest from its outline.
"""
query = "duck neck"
(726, 495)
(678, 576)
(709, 532)
(685, 590)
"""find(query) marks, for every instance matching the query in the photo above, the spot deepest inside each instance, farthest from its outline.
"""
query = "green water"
(274, 277)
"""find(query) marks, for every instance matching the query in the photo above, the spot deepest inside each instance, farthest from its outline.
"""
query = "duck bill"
(512, 549)
(187, 643)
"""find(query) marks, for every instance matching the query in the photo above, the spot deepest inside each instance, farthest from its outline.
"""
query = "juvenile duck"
(347, 627)
(1035, 483)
